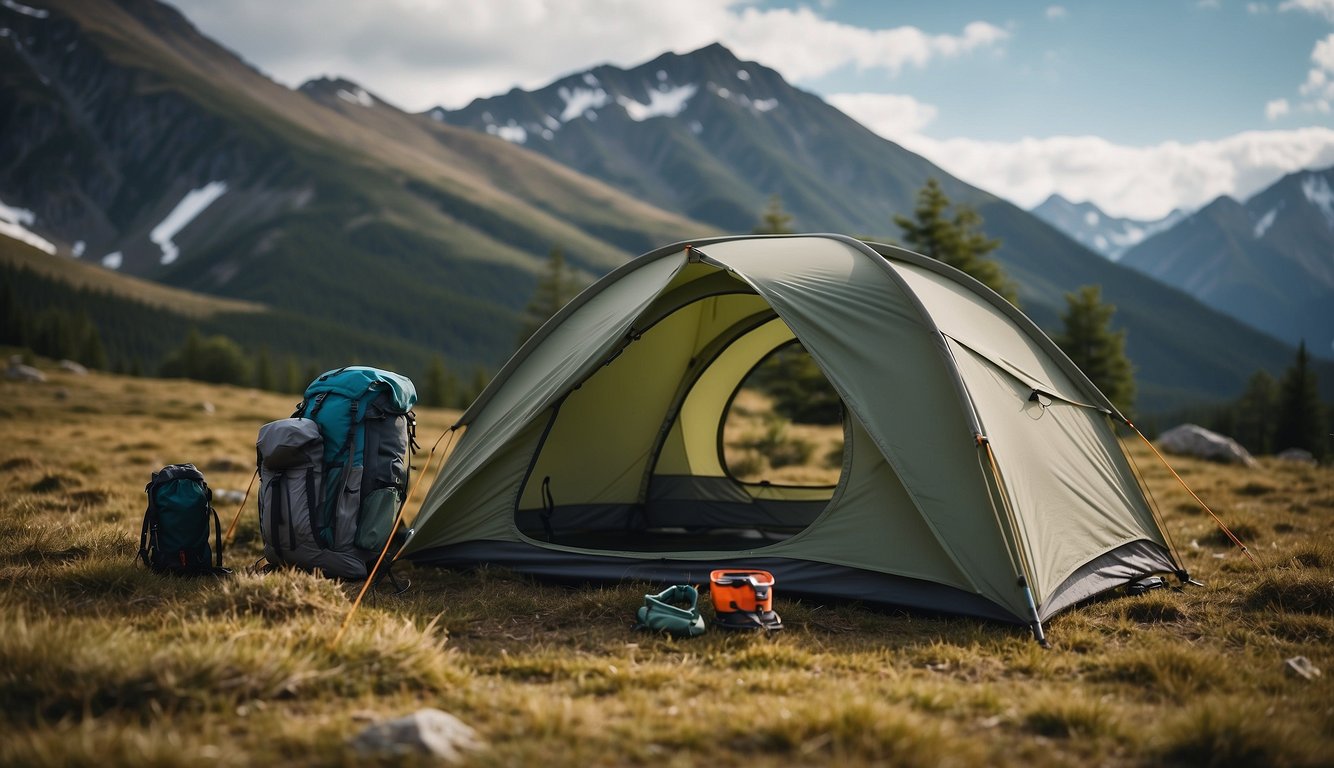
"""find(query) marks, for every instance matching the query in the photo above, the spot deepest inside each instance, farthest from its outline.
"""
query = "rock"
(224, 464)
(1193, 440)
(20, 372)
(226, 496)
(72, 367)
(1300, 666)
(424, 732)
(1296, 455)
(207, 407)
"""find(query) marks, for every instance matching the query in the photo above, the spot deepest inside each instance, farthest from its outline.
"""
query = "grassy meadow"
(103, 663)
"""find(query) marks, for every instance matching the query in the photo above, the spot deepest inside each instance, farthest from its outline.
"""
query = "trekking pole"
(398, 520)
(237, 518)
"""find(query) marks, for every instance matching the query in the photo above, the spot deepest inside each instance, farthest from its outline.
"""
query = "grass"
(103, 663)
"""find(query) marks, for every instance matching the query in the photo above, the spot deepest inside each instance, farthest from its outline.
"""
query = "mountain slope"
(1268, 262)
(1110, 236)
(713, 137)
(146, 146)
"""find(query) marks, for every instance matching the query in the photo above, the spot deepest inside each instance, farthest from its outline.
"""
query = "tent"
(981, 471)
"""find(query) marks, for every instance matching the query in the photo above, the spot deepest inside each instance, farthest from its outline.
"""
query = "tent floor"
(668, 539)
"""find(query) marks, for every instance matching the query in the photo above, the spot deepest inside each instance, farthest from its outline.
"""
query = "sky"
(1139, 106)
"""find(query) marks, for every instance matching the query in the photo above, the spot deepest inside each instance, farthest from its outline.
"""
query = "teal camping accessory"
(663, 612)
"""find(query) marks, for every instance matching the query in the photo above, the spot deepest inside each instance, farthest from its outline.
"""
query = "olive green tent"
(981, 471)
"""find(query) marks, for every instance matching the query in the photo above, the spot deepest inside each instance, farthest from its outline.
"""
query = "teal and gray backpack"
(334, 476)
(174, 538)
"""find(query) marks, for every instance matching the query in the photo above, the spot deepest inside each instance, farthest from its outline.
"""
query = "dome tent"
(981, 471)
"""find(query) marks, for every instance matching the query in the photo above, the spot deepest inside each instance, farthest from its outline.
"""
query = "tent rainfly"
(981, 471)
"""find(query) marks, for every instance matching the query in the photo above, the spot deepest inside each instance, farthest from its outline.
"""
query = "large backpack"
(174, 538)
(333, 478)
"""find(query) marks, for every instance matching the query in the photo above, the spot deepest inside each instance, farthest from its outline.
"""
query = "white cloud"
(420, 53)
(1208, 5)
(1139, 182)
(1319, 7)
(1276, 109)
(1256, 9)
(1319, 86)
(896, 117)
(1056, 12)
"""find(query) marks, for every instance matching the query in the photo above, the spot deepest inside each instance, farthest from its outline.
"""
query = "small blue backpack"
(174, 538)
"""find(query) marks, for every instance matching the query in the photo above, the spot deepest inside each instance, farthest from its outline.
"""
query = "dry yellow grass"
(102, 663)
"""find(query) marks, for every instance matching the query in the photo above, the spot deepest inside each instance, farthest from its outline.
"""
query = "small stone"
(1297, 456)
(207, 407)
(72, 367)
(424, 732)
(1300, 666)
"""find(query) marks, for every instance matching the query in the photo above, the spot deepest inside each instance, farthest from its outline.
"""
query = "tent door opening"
(641, 457)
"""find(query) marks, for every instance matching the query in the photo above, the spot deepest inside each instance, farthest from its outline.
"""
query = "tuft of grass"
(1169, 673)
(1299, 591)
(275, 597)
(1235, 733)
(1153, 607)
(53, 482)
(1255, 488)
(1066, 716)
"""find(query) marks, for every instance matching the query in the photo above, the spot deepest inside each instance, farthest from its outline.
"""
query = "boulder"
(20, 372)
(1194, 440)
(72, 367)
(427, 732)
(1297, 455)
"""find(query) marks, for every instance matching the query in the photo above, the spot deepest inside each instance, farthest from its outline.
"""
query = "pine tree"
(292, 377)
(91, 351)
(1255, 413)
(265, 378)
(554, 290)
(774, 220)
(1098, 351)
(1301, 417)
(436, 393)
(957, 240)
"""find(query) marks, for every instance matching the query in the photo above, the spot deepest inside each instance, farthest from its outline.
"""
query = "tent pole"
(1032, 606)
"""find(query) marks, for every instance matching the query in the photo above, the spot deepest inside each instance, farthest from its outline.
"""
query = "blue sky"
(1139, 107)
(1130, 72)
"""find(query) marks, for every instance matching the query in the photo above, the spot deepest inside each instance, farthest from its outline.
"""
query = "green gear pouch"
(664, 612)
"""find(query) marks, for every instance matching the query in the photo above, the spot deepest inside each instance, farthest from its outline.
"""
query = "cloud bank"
(1140, 182)
(418, 54)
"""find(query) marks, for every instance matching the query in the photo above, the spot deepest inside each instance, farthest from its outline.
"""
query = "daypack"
(334, 476)
(174, 538)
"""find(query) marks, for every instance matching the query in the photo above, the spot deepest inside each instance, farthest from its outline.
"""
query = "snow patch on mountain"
(1316, 189)
(14, 223)
(357, 96)
(1266, 221)
(581, 101)
(190, 206)
(26, 10)
(667, 102)
(511, 132)
(742, 75)
(113, 260)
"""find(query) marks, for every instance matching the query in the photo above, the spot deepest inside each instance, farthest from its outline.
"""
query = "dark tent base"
(792, 577)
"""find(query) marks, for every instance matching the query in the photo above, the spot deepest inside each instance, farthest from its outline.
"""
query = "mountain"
(140, 144)
(713, 137)
(1110, 236)
(1268, 262)
(368, 234)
